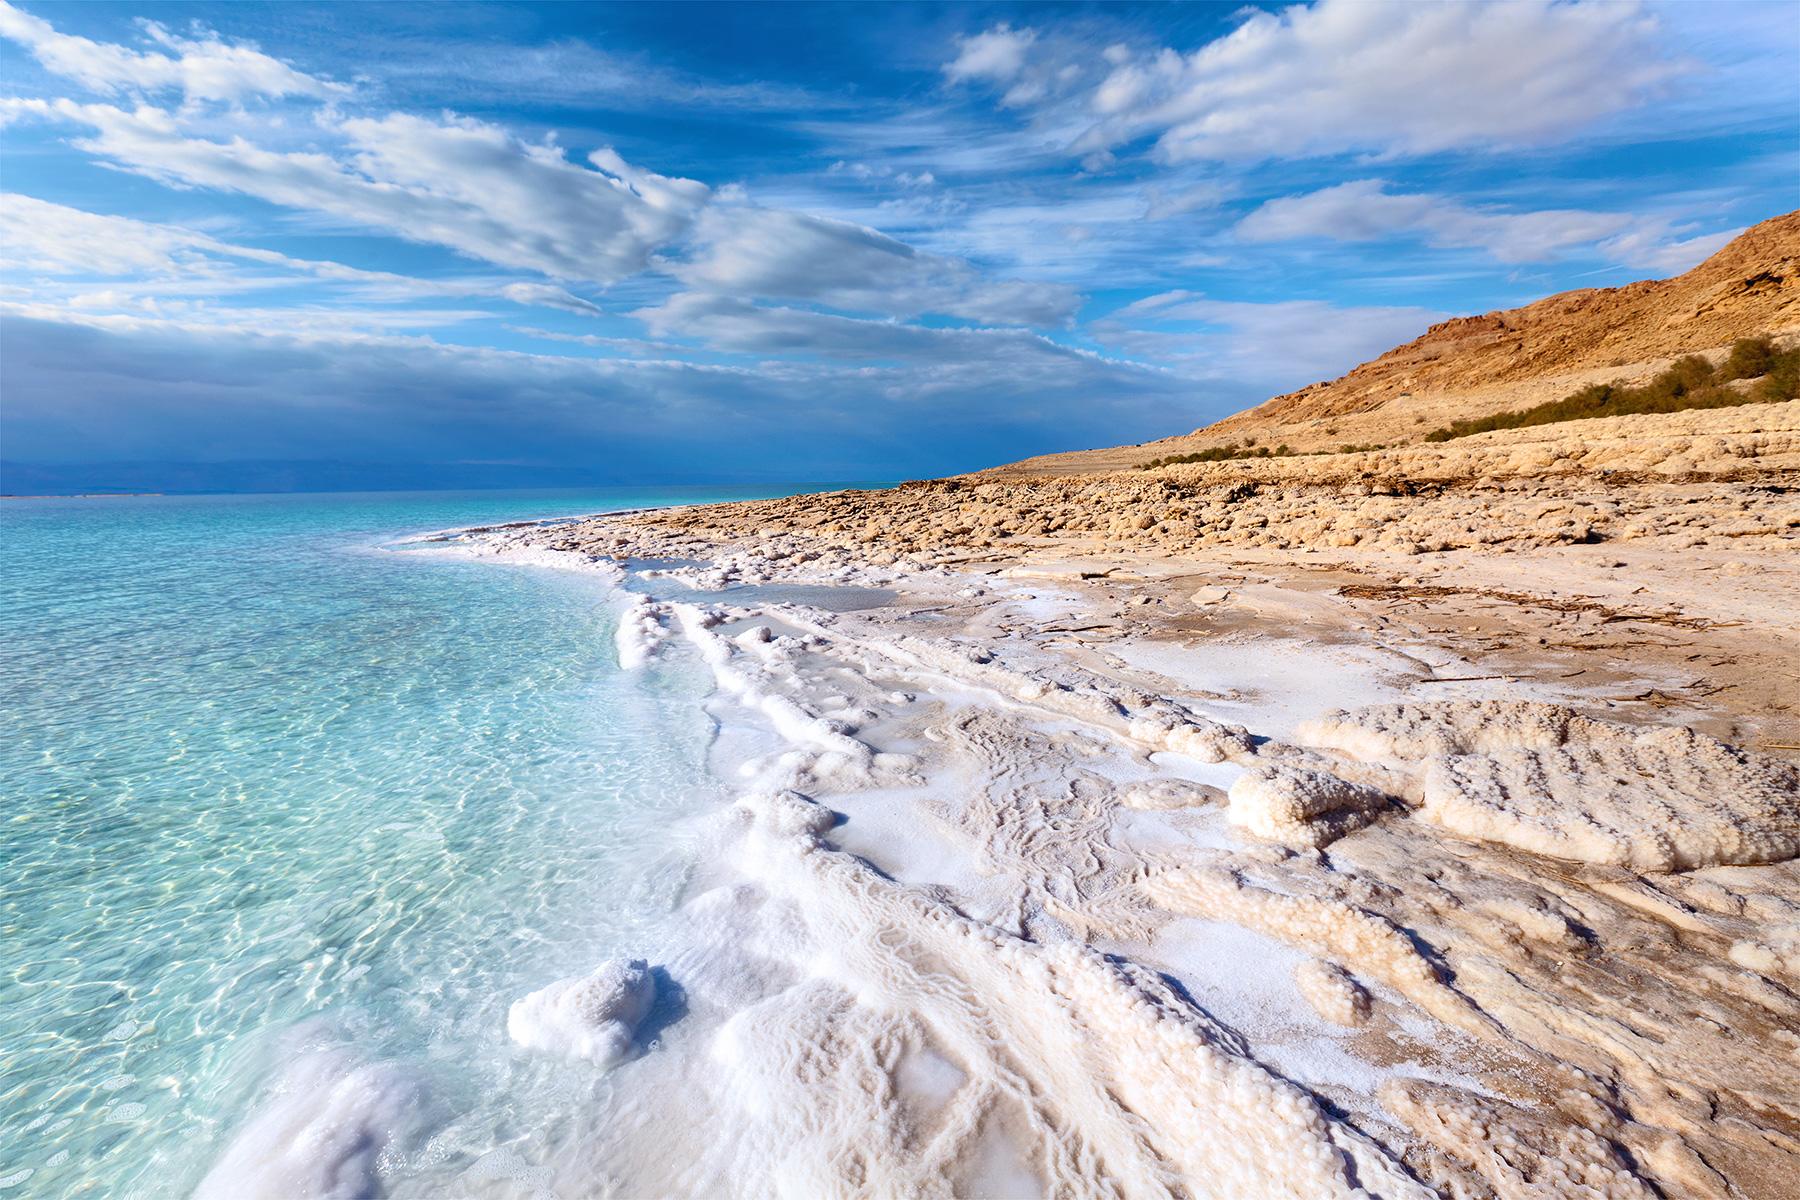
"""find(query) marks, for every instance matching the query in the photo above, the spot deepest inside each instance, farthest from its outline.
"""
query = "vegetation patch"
(1219, 454)
(1755, 372)
(1248, 450)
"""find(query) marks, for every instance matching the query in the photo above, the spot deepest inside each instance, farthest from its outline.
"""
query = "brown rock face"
(1471, 366)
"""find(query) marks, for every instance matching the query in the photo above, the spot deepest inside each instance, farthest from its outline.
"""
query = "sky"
(249, 246)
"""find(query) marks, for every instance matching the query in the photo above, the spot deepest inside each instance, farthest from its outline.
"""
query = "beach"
(1241, 857)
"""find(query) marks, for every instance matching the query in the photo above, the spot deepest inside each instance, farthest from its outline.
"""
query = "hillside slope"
(1473, 366)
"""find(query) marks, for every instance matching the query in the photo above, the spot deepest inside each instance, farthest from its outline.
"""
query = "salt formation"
(593, 1017)
(1333, 992)
(1777, 952)
(1516, 1153)
(1164, 794)
(1102, 1076)
(900, 1034)
(1116, 1084)
(639, 633)
(322, 1135)
(1301, 808)
(1543, 778)
(1321, 925)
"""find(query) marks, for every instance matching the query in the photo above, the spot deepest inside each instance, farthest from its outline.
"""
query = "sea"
(292, 806)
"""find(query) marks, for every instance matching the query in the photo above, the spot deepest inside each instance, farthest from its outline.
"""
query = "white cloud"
(997, 56)
(748, 251)
(868, 174)
(1275, 346)
(1652, 247)
(476, 188)
(1364, 210)
(456, 182)
(730, 324)
(1160, 204)
(1346, 76)
(201, 68)
(162, 260)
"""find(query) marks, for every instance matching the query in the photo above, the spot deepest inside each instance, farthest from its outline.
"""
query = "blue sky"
(463, 243)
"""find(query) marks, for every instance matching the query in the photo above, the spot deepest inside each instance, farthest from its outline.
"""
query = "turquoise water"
(270, 787)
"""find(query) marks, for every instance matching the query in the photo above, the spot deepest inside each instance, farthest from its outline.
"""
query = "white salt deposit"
(321, 1135)
(897, 1021)
(594, 1017)
(639, 633)
(1301, 808)
(1546, 779)
(1333, 992)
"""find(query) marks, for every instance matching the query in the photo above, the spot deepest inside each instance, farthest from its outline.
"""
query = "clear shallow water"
(265, 787)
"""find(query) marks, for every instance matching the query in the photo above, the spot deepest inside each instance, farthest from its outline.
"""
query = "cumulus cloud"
(997, 56)
(780, 254)
(1348, 76)
(204, 67)
(1364, 210)
(456, 182)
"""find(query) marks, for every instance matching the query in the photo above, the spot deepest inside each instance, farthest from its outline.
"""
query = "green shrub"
(1688, 383)
(1750, 358)
(1782, 381)
(1218, 454)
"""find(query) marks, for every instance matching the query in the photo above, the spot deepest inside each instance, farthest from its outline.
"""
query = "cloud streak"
(58, 241)
(1364, 210)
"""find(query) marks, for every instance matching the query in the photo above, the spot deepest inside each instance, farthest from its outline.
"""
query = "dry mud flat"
(1221, 871)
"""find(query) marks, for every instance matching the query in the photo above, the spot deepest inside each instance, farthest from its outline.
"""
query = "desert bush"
(1750, 358)
(1219, 454)
(1687, 383)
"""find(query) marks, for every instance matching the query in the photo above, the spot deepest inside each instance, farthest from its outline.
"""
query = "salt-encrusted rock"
(1775, 952)
(1333, 992)
(788, 813)
(1301, 808)
(1543, 778)
(593, 1017)
(1429, 730)
(1515, 1151)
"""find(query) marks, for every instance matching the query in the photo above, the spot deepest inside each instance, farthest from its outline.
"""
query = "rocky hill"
(1472, 366)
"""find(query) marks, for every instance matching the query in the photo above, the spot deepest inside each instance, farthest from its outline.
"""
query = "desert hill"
(1473, 366)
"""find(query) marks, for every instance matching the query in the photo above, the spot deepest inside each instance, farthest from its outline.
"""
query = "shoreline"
(1131, 753)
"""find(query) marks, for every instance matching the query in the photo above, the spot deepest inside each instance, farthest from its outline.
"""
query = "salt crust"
(1519, 1154)
(1115, 1083)
(594, 1016)
(323, 1132)
(640, 632)
(1333, 992)
(1543, 778)
(1126, 1089)
(816, 1063)
(1301, 808)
